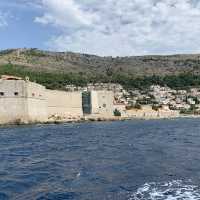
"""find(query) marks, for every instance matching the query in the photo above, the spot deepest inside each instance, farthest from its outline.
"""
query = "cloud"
(123, 27)
(65, 14)
(3, 19)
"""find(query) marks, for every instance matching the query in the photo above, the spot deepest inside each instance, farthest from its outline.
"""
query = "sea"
(123, 160)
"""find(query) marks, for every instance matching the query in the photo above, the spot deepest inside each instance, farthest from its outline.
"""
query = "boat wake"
(174, 190)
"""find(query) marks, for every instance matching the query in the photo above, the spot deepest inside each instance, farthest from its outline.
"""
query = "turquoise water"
(131, 160)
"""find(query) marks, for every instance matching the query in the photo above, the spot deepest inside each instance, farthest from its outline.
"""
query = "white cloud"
(3, 19)
(65, 14)
(123, 27)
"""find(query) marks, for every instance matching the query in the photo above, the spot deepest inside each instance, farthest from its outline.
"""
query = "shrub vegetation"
(54, 80)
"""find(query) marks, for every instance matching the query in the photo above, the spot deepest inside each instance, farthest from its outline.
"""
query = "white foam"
(78, 175)
(174, 190)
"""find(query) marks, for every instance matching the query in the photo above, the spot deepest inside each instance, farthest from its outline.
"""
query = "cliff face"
(91, 64)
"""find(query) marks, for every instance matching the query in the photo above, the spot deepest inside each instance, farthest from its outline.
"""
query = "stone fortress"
(22, 101)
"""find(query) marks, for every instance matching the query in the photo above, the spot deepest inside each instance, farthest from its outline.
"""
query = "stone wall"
(102, 103)
(25, 102)
(64, 104)
(17, 103)
(37, 102)
(148, 113)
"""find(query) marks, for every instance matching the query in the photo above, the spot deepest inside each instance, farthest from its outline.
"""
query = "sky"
(102, 27)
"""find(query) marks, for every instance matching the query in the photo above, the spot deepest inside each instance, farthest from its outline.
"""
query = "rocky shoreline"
(96, 119)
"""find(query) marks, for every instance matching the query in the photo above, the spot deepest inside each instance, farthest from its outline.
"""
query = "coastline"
(96, 119)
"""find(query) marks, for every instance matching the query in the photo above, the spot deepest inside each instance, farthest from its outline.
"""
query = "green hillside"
(55, 70)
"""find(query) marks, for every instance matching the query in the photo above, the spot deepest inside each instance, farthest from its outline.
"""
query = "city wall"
(28, 102)
(102, 103)
(64, 104)
(20, 101)
(37, 102)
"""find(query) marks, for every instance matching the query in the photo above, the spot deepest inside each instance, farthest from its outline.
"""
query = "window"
(1, 93)
(16, 93)
(104, 105)
(33, 94)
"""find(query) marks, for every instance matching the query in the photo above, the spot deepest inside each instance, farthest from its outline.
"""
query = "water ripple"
(101, 161)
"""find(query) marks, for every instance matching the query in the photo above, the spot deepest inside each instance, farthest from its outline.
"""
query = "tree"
(117, 113)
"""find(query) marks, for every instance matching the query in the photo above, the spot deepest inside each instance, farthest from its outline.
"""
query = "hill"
(90, 64)
(56, 69)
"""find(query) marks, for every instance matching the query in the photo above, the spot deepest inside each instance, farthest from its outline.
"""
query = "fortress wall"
(36, 102)
(13, 105)
(12, 110)
(64, 104)
(102, 103)
(94, 102)
(22, 101)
